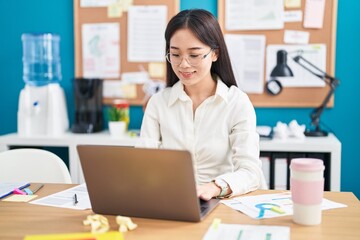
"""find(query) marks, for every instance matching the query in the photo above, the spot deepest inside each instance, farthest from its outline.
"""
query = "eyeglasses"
(193, 59)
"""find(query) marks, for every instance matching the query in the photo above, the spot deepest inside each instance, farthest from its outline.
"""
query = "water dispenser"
(42, 106)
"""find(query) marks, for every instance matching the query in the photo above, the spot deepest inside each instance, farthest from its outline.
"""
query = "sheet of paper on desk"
(252, 232)
(65, 199)
(254, 205)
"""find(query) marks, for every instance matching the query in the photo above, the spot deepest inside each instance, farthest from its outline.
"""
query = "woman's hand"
(208, 191)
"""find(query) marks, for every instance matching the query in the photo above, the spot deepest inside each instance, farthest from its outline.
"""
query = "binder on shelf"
(281, 173)
(265, 160)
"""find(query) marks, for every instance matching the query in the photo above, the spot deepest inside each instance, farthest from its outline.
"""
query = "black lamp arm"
(332, 81)
(316, 113)
(324, 76)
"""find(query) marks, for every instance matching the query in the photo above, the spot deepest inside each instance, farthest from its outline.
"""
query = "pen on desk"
(75, 199)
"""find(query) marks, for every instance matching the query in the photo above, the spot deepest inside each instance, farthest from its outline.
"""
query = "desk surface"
(20, 219)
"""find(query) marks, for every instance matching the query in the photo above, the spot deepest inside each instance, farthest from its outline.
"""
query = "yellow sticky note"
(126, 4)
(19, 198)
(292, 3)
(115, 10)
(156, 70)
(128, 91)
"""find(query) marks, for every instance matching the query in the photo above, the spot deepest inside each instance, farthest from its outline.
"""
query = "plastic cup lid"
(307, 164)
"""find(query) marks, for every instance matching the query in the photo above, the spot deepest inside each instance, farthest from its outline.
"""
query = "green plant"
(119, 111)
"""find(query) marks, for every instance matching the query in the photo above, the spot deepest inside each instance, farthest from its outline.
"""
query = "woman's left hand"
(208, 191)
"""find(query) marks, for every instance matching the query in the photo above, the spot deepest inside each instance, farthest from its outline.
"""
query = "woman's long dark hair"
(207, 29)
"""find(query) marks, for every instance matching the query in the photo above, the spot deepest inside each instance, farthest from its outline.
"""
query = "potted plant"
(118, 118)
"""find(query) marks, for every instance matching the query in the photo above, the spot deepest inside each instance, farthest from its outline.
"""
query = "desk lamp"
(273, 86)
(283, 70)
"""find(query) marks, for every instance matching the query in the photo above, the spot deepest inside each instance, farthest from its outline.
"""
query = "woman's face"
(187, 56)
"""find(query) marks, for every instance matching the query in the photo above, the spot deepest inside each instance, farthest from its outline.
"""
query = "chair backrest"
(32, 165)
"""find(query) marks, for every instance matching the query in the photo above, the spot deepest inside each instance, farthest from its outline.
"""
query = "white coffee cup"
(307, 189)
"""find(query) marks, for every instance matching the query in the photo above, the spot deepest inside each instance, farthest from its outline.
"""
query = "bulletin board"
(83, 15)
(295, 96)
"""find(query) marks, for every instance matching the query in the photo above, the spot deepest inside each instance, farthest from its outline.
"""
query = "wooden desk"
(20, 219)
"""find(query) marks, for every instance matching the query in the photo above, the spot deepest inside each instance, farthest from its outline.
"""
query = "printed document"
(146, 27)
(101, 50)
(67, 199)
(247, 60)
(254, 14)
(281, 205)
(246, 232)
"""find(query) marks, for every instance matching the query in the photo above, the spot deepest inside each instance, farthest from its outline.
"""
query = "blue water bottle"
(41, 58)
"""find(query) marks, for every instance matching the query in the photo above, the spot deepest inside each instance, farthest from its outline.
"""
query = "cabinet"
(329, 148)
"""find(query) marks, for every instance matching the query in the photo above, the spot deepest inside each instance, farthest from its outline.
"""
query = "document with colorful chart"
(270, 205)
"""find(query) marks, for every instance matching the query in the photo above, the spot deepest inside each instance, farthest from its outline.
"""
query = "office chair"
(32, 165)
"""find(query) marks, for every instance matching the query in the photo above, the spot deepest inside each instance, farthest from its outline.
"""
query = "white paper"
(296, 37)
(65, 199)
(146, 27)
(101, 50)
(247, 60)
(314, 53)
(254, 14)
(249, 232)
(292, 16)
(118, 89)
(314, 13)
(96, 3)
(135, 77)
(247, 205)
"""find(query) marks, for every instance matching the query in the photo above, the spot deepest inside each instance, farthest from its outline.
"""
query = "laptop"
(142, 182)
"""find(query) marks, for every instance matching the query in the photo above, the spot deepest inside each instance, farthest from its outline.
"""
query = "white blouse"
(221, 135)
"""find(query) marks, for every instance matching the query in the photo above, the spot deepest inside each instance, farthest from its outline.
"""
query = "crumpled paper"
(291, 130)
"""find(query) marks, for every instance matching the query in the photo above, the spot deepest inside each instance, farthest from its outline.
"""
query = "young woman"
(202, 110)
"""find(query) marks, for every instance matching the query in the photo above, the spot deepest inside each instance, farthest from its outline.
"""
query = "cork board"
(295, 96)
(83, 15)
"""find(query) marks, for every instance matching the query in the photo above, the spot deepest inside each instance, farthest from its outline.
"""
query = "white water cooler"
(42, 106)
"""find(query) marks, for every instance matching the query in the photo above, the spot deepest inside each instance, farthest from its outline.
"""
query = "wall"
(17, 17)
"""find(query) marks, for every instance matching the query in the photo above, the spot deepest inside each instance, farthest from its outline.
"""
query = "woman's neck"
(201, 91)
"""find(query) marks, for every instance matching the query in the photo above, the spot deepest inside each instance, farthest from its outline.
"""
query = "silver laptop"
(139, 182)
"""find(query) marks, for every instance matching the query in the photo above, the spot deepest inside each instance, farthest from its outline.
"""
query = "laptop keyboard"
(203, 205)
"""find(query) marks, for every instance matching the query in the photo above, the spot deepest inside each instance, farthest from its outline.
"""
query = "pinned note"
(156, 70)
(126, 4)
(115, 10)
(297, 37)
(314, 13)
(119, 89)
(292, 16)
(292, 3)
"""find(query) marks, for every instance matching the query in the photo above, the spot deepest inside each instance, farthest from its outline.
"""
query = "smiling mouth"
(187, 74)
